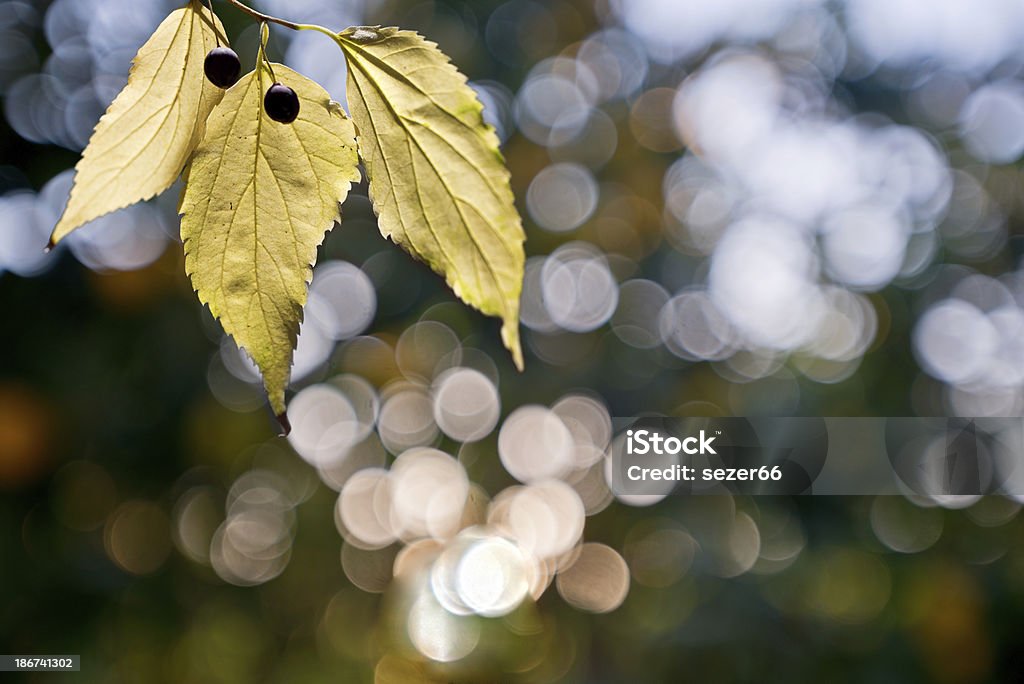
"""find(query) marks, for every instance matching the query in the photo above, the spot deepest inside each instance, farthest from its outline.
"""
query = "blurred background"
(733, 207)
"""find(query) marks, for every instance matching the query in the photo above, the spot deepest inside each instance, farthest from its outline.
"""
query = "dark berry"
(222, 67)
(281, 103)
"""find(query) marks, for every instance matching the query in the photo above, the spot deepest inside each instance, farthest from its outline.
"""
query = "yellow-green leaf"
(142, 143)
(437, 178)
(259, 197)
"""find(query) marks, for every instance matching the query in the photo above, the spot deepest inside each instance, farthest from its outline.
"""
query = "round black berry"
(222, 67)
(281, 103)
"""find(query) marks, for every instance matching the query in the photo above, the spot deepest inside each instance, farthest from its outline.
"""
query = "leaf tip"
(50, 244)
(510, 336)
(284, 424)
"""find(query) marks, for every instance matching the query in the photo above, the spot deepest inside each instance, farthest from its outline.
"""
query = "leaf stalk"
(280, 22)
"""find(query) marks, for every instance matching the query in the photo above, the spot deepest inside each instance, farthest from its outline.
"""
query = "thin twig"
(264, 17)
(283, 22)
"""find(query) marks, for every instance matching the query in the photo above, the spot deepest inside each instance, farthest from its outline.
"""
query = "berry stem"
(281, 22)
(213, 23)
(262, 61)
(209, 21)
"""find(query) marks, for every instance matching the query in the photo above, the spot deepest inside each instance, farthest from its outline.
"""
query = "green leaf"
(141, 144)
(437, 178)
(259, 197)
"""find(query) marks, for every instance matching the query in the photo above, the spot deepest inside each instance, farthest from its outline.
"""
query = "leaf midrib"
(402, 122)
